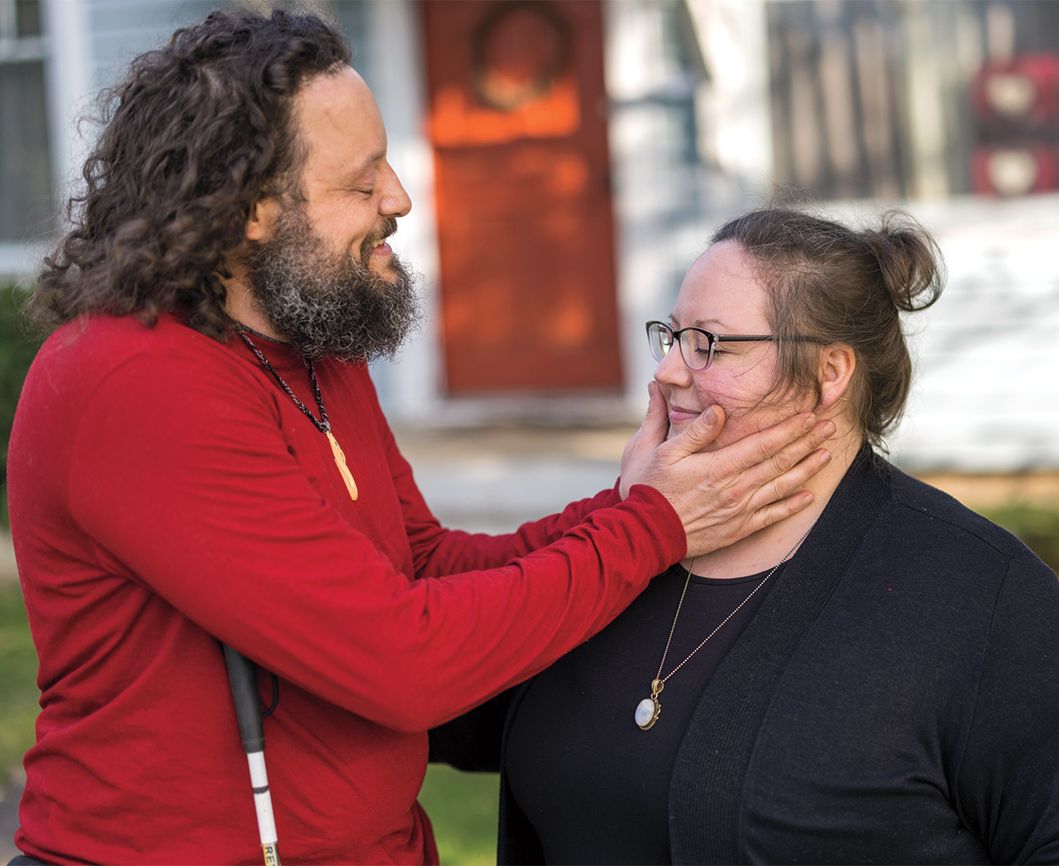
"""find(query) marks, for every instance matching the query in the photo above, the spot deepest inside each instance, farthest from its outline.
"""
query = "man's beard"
(328, 304)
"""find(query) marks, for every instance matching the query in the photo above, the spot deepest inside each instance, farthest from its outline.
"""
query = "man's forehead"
(338, 120)
(340, 83)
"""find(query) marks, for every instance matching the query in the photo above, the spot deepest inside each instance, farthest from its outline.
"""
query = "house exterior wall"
(678, 71)
(410, 385)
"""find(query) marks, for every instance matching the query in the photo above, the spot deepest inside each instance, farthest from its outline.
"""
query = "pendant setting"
(343, 468)
(649, 709)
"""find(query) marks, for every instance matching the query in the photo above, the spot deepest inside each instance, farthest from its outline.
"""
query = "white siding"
(122, 29)
(985, 395)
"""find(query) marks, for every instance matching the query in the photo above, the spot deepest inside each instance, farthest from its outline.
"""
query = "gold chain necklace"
(649, 709)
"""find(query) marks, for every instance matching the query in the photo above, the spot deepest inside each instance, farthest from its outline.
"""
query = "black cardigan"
(894, 700)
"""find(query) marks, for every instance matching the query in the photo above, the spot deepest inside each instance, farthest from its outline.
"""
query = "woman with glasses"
(873, 680)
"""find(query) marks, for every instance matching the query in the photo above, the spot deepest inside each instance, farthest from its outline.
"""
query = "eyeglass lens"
(694, 345)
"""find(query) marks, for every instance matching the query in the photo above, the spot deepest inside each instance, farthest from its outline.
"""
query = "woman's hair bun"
(909, 260)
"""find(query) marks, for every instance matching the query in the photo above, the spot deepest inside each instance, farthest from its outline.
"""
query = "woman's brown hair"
(198, 131)
(829, 284)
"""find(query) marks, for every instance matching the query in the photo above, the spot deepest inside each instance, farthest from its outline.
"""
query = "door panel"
(525, 226)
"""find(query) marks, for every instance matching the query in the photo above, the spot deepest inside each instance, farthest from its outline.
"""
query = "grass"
(462, 808)
(1036, 525)
(18, 673)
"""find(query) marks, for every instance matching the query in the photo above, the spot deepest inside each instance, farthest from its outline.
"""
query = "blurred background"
(567, 160)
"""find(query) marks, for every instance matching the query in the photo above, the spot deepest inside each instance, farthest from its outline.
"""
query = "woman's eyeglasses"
(696, 345)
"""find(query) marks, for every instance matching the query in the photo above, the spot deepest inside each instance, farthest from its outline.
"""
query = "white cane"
(241, 677)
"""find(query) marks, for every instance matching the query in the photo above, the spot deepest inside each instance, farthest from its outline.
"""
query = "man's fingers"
(777, 511)
(762, 457)
(791, 455)
(655, 424)
(642, 447)
(788, 441)
(787, 484)
(698, 434)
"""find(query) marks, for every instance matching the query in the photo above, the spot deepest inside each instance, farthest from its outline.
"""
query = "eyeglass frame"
(712, 338)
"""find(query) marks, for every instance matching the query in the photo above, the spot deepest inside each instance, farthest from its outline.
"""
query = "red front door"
(517, 119)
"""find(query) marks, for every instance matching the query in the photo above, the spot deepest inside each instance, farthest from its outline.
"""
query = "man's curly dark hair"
(198, 132)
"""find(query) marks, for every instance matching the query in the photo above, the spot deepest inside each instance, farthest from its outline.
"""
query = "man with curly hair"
(199, 456)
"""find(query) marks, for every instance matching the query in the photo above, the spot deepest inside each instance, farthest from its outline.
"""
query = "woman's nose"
(672, 370)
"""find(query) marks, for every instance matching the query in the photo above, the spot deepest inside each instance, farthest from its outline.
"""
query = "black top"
(894, 700)
(595, 786)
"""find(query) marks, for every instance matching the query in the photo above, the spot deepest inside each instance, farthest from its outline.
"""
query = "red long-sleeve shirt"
(165, 493)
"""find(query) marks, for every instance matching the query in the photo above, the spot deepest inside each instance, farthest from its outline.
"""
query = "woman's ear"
(261, 223)
(837, 363)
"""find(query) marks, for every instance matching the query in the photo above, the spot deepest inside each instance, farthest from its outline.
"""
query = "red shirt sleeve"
(437, 551)
(186, 485)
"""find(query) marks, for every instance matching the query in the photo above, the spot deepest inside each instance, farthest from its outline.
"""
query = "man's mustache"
(388, 227)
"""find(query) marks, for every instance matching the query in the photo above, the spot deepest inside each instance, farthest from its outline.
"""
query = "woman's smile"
(682, 414)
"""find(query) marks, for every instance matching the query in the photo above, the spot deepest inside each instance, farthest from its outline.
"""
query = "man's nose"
(395, 201)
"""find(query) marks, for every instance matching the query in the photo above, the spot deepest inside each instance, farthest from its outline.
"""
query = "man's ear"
(837, 363)
(261, 223)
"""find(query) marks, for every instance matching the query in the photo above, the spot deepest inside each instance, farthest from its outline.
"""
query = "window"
(26, 184)
(879, 99)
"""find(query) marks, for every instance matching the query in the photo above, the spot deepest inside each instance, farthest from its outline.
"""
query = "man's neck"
(767, 547)
(241, 309)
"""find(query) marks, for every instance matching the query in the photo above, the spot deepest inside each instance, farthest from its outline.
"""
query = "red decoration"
(1010, 170)
(1020, 94)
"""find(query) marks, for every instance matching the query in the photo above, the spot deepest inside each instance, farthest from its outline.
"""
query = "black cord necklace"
(323, 423)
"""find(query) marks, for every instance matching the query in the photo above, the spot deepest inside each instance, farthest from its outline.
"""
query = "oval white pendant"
(647, 712)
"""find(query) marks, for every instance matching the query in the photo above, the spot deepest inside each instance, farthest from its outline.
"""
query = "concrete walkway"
(493, 479)
(8, 571)
(9, 795)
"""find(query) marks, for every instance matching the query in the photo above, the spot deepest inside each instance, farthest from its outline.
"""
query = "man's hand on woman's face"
(722, 496)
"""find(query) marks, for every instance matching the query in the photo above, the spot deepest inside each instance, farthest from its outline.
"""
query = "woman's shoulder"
(966, 570)
(926, 510)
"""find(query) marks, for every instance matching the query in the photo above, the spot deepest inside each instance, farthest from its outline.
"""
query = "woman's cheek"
(729, 396)
(744, 412)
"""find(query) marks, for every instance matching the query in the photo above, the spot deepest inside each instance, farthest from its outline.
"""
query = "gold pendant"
(649, 709)
(343, 469)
